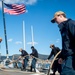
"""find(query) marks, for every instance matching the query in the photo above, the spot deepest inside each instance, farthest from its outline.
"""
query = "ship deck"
(17, 72)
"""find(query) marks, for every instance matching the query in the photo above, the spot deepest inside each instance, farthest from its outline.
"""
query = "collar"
(63, 24)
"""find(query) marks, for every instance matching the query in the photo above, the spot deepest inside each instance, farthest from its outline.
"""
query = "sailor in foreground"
(34, 55)
(25, 57)
(56, 66)
(67, 30)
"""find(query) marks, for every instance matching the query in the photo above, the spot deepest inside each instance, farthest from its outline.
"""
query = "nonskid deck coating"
(17, 72)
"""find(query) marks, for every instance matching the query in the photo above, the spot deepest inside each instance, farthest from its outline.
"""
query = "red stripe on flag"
(16, 9)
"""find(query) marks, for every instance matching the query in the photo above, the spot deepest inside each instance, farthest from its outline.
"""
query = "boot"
(31, 69)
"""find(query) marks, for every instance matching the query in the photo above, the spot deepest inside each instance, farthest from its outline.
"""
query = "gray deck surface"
(17, 72)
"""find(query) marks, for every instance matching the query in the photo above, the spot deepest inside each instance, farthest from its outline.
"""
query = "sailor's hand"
(60, 60)
(32, 56)
(47, 60)
(19, 57)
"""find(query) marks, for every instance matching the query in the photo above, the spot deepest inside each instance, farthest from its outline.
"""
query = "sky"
(38, 14)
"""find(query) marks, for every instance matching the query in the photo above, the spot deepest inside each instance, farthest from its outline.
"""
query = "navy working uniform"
(25, 60)
(67, 30)
(56, 66)
(34, 60)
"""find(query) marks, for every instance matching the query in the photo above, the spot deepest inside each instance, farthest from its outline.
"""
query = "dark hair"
(52, 45)
(32, 46)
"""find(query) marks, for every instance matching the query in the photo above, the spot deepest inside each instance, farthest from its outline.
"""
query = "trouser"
(56, 67)
(25, 61)
(33, 64)
(68, 67)
(15, 65)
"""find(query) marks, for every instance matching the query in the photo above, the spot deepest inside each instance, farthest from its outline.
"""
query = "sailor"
(56, 66)
(67, 30)
(25, 56)
(34, 55)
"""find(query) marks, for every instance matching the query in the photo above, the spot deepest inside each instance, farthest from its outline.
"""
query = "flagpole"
(32, 36)
(5, 30)
(24, 39)
(0, 49)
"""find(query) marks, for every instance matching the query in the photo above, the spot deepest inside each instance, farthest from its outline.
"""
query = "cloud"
(58, 40)
(18, 42)
(26, 11)
(10, 40)
(32, 43)
(28, 2)
(14, 1)
(0, 4)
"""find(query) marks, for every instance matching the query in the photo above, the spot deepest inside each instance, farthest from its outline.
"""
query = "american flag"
(15, 9)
